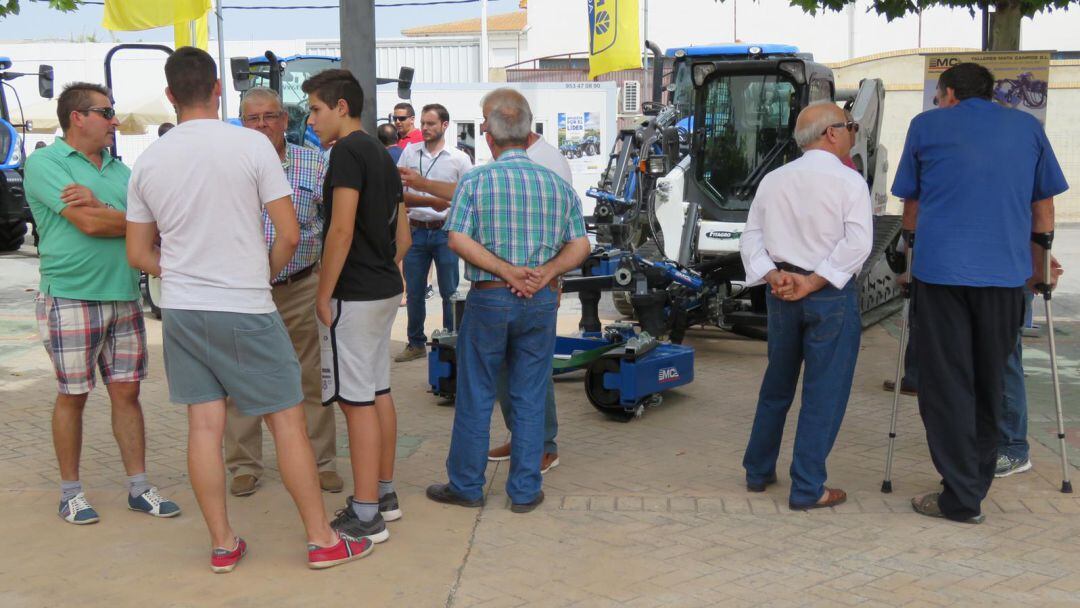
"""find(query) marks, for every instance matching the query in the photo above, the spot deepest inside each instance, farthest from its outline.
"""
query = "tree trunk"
(1005, 26)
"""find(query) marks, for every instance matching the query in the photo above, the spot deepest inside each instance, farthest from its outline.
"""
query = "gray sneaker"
(410, 353)
(1007, 465)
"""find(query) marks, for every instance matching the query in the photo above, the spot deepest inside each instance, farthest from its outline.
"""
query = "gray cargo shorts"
(249, 357)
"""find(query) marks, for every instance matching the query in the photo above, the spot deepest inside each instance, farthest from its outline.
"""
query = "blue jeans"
(823, 331)
(551, 418)
(500, 329)
(1013, 421)
(428, 246)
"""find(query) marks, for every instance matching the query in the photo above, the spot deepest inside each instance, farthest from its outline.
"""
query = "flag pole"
(221, 59)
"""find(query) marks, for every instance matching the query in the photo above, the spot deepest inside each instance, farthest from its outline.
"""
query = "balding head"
(821, 126)
(508, 118)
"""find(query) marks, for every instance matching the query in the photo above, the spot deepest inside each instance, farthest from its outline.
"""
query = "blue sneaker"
(154, 504)
(78, 511)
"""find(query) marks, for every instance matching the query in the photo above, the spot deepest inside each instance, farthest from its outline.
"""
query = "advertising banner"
(1020, 78)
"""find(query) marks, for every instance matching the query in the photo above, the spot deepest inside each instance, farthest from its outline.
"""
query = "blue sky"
(37, 21)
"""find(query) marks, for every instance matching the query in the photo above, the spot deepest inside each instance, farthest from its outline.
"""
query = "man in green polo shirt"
(88, 300)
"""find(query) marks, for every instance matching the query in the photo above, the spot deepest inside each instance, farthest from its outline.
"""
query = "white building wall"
(561, 26)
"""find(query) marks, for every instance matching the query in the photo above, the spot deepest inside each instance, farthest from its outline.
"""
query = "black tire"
(604, 400)
(148, 298)
(12, 235)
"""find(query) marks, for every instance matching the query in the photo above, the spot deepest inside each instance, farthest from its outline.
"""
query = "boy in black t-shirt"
(366, 235)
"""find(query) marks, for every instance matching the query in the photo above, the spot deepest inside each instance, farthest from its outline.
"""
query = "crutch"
(1045, 240)
(909, 241)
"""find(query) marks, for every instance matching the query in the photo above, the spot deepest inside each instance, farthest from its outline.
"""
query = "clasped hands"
(525, 282)
(791, 287)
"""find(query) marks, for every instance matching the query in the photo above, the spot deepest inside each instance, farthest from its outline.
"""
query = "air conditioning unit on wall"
(631, 97)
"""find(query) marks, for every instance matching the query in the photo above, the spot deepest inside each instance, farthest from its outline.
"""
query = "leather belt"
(296, 276)
(554, 284)
(793, 268)
(428, 225)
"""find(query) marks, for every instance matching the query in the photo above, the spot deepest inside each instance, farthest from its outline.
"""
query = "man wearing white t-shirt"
(434, 160)
(202, 190)
(547, 156)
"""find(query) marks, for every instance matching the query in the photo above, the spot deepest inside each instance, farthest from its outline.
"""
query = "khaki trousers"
(243, 434)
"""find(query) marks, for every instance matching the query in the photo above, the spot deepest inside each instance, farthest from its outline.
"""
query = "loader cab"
(285, 75)
(739, 102)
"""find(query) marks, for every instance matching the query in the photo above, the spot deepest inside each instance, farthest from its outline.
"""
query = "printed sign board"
(1020, 78)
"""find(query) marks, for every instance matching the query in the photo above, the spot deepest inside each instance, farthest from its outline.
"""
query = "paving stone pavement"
(647, 513)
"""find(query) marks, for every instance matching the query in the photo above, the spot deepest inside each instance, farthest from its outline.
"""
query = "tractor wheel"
(12, 235)
(606, 401)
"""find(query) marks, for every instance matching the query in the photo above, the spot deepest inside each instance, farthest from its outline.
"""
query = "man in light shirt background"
(434, 160)
(808, 233)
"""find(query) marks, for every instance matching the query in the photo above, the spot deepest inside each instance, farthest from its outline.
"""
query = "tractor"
(14, 212)
(674, 198)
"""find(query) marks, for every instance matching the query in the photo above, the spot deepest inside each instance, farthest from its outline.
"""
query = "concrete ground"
(649, 513)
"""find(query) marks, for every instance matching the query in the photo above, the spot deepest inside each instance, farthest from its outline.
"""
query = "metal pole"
(851, 31)
(358, 52)
(985, 25)
(920, 28)
(735, 21)
(483, 41)
(221, 60)
(1045, 240)
(909, 242)
(644, 51)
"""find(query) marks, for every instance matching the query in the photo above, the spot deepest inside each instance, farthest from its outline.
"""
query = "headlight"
(17, 156)
(656, 165)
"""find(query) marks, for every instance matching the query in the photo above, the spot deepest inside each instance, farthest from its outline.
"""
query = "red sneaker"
(346, 550)
(224, 560)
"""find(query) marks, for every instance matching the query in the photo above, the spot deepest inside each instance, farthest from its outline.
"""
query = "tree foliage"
(893, 9)
(11, 7)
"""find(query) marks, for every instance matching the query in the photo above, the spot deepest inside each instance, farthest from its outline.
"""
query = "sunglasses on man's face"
(106, 113)
(401, 118)
(850, 125)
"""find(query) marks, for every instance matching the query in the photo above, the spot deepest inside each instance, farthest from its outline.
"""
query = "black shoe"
(429, 293)
(760, 487)
(441, 492)
(388, 507)
(346, 522)
(528, 506)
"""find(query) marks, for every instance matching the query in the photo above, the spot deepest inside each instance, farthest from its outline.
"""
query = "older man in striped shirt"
(294, 295)
(518, 226)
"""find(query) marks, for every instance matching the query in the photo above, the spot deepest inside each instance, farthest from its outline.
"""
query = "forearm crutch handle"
(1046, 241)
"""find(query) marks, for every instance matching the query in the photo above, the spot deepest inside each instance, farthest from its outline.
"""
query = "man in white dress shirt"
(434, 160)
(808, 233)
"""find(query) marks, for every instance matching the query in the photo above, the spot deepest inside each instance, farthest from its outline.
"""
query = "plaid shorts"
(79, 333)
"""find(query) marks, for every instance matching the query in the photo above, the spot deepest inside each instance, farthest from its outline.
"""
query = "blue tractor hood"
(737, 49)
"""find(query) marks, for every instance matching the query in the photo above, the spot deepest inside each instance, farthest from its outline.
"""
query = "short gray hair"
(809, 133)
(509, 118)
(260, 93)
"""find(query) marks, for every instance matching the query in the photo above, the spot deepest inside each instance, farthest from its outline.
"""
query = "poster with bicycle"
(1020, 78)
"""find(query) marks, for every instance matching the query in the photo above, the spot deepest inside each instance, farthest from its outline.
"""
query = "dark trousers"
(965, 337)
(822, 332)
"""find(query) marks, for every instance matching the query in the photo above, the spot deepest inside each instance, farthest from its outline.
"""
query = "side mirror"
(45, 81)
(241, 73)
(405, 79)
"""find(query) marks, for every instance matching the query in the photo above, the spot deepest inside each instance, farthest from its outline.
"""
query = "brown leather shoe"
(500, 453)
(548, 462)
(330, 481)
(243, 485)
(832, 498)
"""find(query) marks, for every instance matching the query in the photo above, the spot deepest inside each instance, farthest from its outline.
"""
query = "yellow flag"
(182, 33)
(128, 15)
(614, 41)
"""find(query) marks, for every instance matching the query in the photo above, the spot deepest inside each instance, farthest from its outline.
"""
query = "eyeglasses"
(254, 119)
(400, 118)
(106, 113)
(850, 125)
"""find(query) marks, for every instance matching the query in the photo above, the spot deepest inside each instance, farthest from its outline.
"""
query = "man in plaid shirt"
(294, 295)
(519, 227)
